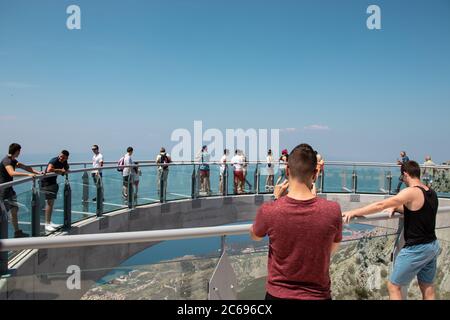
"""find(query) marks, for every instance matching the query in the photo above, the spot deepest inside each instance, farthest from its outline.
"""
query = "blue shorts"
(419, 260)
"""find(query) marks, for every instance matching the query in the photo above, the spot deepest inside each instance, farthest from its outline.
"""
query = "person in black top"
(8, 167)
(419, 205)
(49, 186)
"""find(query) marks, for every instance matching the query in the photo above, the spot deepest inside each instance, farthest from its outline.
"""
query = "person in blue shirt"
(404, 159)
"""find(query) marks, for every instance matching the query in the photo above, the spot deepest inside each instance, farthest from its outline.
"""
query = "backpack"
(121, 164)
(164, 159)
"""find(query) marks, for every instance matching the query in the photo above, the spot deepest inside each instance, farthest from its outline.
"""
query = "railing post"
(256, 179)
(354, 181)
(85, 200)
(3, 235)
(35, 212)
(225, 181)
(322, 180)
(389, 179)
(130, 190)
(162, 194)
(67, 203)
(193, 184)
(99, 185)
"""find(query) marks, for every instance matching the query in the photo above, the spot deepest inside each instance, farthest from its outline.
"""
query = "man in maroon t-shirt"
(304, 231)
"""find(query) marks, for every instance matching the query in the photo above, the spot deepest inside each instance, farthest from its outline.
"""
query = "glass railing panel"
(146, 191)
(179, 182)
(338, 179)
(83, 194)
(56, 215)
(24, 214)
(372, 180)
(266, 178)
(170, 270)
(113, 191)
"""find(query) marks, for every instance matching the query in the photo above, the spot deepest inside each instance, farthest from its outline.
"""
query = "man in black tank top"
(419, 205)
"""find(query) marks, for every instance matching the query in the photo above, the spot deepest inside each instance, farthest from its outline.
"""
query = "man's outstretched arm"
(396, 202)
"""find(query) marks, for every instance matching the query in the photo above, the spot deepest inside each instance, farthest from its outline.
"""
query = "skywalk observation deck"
(188, 244)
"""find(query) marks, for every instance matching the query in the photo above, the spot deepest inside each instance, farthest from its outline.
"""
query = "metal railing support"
(130, 197)
(85, 180)
(354, 181)
(256, 179)
(389, 180)
(67, 204)
(193, 178)
(35, 211)
(162, 193)
(99, 199)
(3, 235)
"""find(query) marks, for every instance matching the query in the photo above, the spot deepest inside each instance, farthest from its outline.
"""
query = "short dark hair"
(302, 162)
(65, 152)
(13, 148)
(95, 147)
(130, 149)
(412, 168)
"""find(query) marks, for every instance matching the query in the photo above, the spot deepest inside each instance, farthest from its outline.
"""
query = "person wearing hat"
(283, 164)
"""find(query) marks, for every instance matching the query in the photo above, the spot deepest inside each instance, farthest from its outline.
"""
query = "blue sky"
(137, 70)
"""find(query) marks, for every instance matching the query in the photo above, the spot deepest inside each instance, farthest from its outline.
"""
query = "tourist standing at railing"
(270, 172)
(223, 170)
(428, 173)
(204, 171)
(403, 159)
(304, 231)
(97, 162)
(283, 163)
(163, 159)
(50, 187)
(238, 174)
(8, 167)
(419, 205)
(127, 172)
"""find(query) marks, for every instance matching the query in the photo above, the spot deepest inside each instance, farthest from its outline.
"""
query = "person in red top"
(304, 231)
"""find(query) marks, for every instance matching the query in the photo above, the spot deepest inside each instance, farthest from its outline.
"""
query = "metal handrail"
(147, 163)
(333, 162)
(150, 236)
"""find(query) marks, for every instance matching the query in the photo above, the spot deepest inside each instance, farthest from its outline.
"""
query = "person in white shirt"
(223, 166)
(270, 171)
(237, 162)
(97, 162)
(126, 173)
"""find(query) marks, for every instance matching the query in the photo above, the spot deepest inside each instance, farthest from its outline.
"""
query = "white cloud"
(289, 130)
(317, 127)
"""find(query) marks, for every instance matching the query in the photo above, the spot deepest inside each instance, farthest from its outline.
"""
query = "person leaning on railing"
(419, 205)
(8, 171)
(304, 231)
